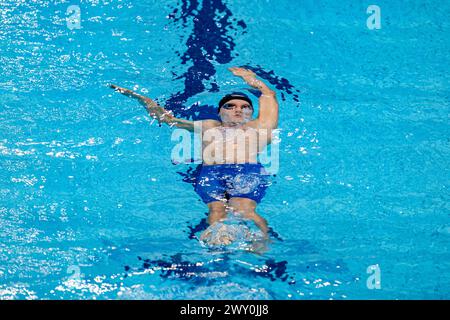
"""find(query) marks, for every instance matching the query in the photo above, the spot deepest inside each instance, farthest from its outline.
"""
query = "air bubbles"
(116, 33)
(99, 56)
(64, 58)
(117, 141)
(90, 157)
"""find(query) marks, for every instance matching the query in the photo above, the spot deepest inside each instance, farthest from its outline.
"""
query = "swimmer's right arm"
(156, 111)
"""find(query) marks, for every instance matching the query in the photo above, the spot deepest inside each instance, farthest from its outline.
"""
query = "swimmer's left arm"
(268, 104)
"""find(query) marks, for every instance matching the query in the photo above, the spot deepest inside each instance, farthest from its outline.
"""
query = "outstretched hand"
(117, 88)
(124, 91)
(242, 72)
(250, 77)
(130, 93)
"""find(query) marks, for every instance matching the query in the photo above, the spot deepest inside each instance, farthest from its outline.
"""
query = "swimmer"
(231, 180)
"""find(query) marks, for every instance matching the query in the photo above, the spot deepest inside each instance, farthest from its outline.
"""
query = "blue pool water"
(92, 207)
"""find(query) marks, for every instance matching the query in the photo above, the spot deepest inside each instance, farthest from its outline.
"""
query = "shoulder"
(254, 124)
(258, 124)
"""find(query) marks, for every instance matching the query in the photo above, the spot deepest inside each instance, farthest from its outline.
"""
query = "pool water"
(92, 207)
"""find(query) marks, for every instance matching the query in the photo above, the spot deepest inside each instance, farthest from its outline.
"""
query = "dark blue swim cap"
(235, 95)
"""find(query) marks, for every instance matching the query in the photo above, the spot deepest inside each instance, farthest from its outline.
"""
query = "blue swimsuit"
(224, 181)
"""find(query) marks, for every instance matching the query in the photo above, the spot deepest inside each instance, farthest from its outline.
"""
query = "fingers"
(117, 88)
(241, 72)
(120, 89)
(238, 69)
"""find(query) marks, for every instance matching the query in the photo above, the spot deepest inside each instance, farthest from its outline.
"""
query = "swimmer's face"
(237, 111)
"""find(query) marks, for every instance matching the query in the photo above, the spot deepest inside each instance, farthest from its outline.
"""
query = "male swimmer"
(230, 179)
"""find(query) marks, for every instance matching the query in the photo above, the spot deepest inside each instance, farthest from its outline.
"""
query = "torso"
(232, 144)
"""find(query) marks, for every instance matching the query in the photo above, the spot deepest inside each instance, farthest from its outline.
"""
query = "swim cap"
(235, 95)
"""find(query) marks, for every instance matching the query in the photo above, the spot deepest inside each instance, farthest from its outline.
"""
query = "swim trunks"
(224, 181)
